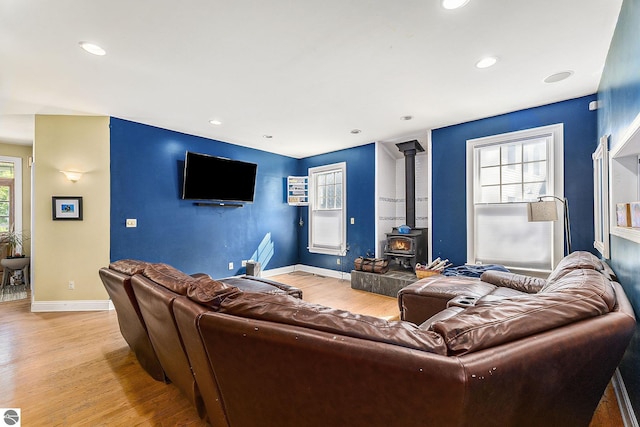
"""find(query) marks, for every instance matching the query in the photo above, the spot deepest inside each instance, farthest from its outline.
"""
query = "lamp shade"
(542, 211)
(72, 176)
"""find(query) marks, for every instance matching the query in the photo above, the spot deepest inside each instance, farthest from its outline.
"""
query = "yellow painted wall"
(70, 250)
(24, 152)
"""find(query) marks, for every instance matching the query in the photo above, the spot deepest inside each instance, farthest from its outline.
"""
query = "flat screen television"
(218, 179)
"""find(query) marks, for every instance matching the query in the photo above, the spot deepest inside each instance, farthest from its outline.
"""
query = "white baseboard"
(277, 271)
(323, 272)
(101, 305)
(81, 305)
(307, 269)
(624, 403)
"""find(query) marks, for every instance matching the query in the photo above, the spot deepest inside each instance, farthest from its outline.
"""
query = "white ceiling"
(305, 72)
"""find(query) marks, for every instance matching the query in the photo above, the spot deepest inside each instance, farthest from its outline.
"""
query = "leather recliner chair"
(117, 282)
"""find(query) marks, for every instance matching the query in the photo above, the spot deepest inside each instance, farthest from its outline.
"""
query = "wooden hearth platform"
(384, 284)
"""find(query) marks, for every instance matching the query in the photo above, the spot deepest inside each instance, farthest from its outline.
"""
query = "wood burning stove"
(408, 249)
(400, 244)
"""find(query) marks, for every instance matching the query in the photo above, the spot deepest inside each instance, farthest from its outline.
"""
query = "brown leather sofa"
(117, 282)
(432, 295)
(526, 359)
(156, 290)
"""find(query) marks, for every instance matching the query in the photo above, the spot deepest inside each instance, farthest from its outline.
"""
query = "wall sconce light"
(72, 176)
(547, 211)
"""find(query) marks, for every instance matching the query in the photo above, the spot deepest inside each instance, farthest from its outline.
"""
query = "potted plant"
(14, 261)
(13, 240)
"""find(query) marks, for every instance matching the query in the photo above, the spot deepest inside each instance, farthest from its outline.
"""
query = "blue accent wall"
(449, 171)
(360, 206)
(146, 174)
(619, 94)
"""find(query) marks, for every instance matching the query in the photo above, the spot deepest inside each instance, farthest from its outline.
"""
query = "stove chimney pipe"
(409, 149)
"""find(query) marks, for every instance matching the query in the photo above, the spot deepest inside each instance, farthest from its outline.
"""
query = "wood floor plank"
(75, 369)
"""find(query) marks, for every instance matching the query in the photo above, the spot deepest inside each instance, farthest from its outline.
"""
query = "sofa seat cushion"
(288, 310)
(129, 266)
(259, 284)
(440, 316)
(447, 287)
(580, 294)
(426, 297)
(503, 292)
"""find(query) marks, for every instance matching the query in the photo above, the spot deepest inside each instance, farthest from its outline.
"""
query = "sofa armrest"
(519, 282)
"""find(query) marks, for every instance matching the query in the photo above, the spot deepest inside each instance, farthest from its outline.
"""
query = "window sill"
(323, 251)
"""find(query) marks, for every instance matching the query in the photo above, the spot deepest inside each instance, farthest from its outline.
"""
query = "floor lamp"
(547, 211)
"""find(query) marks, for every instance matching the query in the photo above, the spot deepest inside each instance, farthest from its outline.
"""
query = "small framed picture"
(635, 214)
(623, 215)
(67, 208)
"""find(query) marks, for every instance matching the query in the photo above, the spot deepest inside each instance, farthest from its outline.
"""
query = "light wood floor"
(75, 369)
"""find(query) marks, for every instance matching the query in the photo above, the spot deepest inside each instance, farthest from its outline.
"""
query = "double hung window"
(10, 193)
(327, 209)
(504, 172)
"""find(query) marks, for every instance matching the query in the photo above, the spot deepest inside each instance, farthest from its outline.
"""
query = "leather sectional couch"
(541, 355)
(148, 299)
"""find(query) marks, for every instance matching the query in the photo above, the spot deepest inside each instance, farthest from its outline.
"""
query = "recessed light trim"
(267, 136)
(405, 118)
(487, 62)
(557, 77)
(355, 131)
(93, 49)
(453, 4)
(215, 122)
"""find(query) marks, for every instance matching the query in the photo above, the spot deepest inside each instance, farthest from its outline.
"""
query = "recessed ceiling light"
(553, 78)
(355, 131)
(487, 62)
(93, 48)
(454, 4)
(406, 117)
(215, 122)
(267, 136)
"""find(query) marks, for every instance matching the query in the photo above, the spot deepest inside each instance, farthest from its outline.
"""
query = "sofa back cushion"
(210, 293)
(129, 266)
(288, 310)
(518, 282)
(578, 295)
(574, 261)
(169, 277)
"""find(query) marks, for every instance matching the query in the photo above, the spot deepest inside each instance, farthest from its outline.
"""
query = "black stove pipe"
(409, 149)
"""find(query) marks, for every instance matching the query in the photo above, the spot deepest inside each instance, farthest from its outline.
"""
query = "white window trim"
(17, 188)
(314, 248)
(601, 197)
(556, 181)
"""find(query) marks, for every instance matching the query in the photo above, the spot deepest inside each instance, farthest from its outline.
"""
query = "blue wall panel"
(146, 169)
(619, 94)
(449, 171)
(360, 206)
(625, 261)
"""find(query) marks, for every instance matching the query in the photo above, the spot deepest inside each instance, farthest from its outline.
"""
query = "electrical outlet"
(244, 262)
(72, 285)
(338, 261)
(131, 222)
(230, 266)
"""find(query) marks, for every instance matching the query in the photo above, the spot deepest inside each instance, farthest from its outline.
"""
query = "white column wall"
(391, 193)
